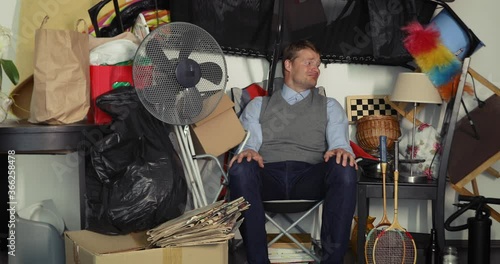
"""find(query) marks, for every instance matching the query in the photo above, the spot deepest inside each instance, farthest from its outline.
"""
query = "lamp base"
(411, 161)
(409, 178)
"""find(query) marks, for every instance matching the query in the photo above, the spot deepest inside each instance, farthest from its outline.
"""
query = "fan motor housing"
(188, 73)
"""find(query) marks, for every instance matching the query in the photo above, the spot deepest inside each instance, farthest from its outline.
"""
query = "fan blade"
(164, 88)
(151, 94)
(211, 71)
(190, 104)
(189, 40)
(155, 50)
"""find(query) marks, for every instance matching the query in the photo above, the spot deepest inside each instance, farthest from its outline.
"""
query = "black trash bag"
(136, 180)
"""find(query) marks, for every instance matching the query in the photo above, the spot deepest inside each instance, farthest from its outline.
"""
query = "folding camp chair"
(280, 208)
(283, 208)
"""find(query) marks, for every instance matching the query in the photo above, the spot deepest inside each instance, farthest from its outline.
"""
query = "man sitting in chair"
(298, 149)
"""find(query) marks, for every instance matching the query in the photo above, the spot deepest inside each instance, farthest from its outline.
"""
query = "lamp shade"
(415, 87)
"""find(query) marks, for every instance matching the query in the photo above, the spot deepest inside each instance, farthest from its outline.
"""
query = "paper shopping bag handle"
(78, 22)
(44, 21)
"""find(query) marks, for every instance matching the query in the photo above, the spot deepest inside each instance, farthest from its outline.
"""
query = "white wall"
(7, 20)
(340, 81)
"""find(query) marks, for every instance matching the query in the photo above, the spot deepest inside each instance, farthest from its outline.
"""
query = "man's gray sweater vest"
(293, 132)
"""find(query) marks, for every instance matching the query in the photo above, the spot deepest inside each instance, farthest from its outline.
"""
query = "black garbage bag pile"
(135, 180)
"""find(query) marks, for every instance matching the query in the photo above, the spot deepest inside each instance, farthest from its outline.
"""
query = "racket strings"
(394, 247)
(389, 248)
(410, 248)
(370, 243)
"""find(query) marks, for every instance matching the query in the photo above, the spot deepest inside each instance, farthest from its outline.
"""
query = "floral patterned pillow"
(427, 147)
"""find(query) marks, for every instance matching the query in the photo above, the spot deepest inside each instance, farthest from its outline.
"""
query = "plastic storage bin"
(38, 239)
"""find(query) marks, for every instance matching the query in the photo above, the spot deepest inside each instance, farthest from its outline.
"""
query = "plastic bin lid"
(44, 212)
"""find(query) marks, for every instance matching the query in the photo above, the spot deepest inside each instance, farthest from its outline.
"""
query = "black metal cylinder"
(479, 240)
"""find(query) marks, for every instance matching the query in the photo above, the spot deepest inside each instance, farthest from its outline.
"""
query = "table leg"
(363, 206)
(82, 189)
(438, 220)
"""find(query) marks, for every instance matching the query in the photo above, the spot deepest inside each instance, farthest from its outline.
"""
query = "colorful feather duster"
(434, 58)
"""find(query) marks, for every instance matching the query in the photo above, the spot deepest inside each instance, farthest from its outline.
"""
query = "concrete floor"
(238, 256)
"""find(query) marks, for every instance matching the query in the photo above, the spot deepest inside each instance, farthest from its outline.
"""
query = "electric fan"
(180, 75)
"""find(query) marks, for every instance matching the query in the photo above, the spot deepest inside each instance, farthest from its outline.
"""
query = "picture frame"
(358, 106)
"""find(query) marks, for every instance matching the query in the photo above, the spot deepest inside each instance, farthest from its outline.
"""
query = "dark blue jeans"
(296, 180)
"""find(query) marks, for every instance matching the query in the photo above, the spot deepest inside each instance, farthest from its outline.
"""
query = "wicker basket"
(370, 128)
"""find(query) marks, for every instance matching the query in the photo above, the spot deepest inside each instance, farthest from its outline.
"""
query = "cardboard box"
(218, 132)
(86, 247)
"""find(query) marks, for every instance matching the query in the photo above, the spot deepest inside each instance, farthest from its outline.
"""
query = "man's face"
(304, 70)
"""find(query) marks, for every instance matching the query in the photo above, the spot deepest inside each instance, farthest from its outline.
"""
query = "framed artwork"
(358, 106)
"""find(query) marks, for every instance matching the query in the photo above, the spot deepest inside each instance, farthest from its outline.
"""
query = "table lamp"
(413, 87)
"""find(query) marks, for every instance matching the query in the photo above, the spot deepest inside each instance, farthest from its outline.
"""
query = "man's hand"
(341, 155)
(249, 154)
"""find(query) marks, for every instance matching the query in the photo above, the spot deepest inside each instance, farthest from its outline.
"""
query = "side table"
(27, 138)
(372, 188)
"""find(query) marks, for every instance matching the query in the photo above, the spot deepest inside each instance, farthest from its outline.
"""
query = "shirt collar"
(289, 94)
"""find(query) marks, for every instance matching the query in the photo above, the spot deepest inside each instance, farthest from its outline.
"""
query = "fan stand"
(190, 164)
(191, 167)
(169, 84)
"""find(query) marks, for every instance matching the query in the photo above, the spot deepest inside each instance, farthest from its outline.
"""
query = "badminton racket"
(395, 245)
(384, 222)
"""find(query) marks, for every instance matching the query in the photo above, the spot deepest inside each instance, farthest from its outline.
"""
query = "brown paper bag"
(61, 92)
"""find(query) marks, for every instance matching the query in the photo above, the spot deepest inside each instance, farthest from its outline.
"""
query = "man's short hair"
(290, 51)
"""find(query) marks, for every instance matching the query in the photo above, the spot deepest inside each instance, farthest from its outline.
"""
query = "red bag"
(102, 79)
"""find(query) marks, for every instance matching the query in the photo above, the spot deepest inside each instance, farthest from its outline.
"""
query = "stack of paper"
(289, 255)
(211, 224)
(285, 251)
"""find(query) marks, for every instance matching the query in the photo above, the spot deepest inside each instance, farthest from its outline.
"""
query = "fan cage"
(158, 76)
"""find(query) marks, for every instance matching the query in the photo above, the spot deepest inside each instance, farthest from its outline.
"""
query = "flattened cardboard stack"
(211, 224)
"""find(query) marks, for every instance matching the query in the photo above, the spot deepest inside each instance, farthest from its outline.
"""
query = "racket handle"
(383, 149)
(396, 154)
(396, 177)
